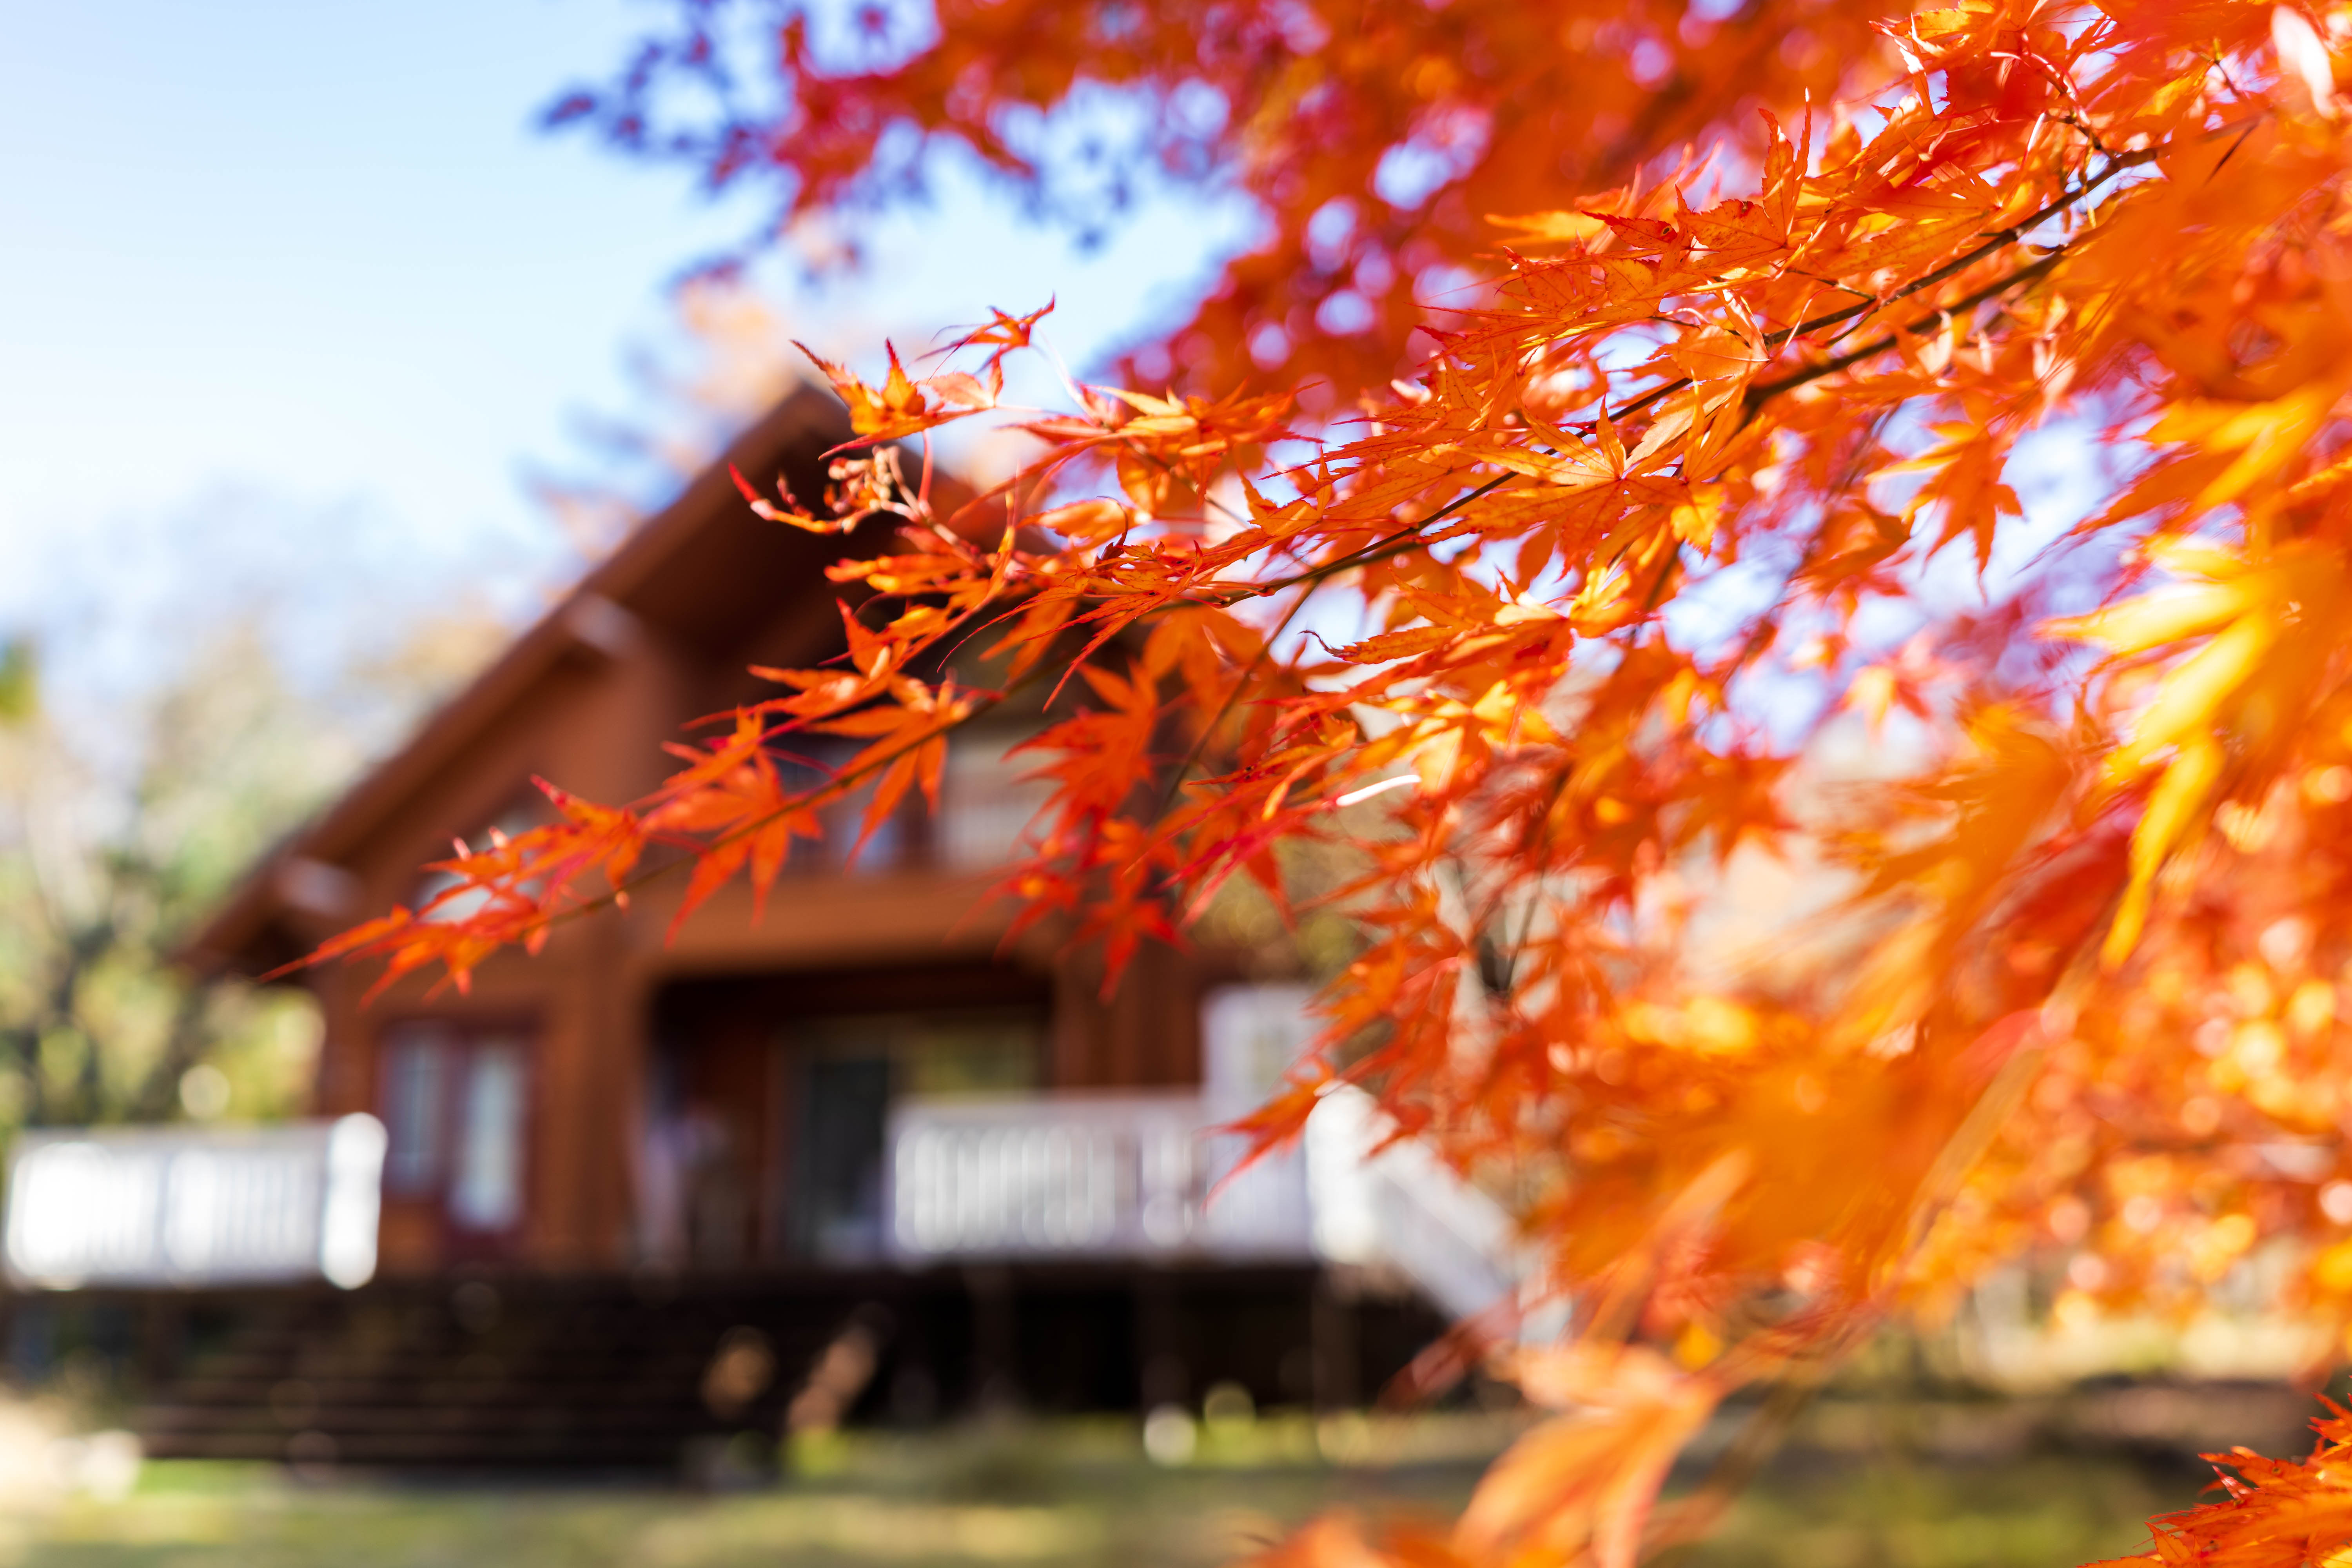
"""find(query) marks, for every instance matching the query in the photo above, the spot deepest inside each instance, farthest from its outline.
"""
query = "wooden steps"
(614, 1372)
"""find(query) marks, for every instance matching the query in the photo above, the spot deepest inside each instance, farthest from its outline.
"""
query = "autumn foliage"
(1739, 339)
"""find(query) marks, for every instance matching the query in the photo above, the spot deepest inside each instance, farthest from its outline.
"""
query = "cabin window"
(454, 1102)
(805, 762)
(851, 1071)
(526, 812)
(416, 1062)
(987, 798)
(486, 1182)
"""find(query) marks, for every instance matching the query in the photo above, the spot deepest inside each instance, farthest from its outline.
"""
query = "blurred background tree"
(96, 1023)
(120, 827)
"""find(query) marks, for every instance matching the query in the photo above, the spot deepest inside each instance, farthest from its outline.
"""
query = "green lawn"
(1049, 1497)
(2051, 1511)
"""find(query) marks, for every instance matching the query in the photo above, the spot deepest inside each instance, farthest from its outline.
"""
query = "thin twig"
(1996, 241)
(1200, 742)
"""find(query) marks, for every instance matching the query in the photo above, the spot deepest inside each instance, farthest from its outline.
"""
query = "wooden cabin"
(867, 1102)
(629, 1098)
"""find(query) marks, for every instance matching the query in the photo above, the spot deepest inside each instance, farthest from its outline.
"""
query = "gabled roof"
(703, 571)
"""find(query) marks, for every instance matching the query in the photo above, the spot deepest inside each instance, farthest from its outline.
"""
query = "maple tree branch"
(1200, 742)
(832, 788)
(1999, 239)
(693, 851)
(1760, 392)
(1398, 543)
(1407, 538)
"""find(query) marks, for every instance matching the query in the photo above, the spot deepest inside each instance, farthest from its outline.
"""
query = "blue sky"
(292, 294)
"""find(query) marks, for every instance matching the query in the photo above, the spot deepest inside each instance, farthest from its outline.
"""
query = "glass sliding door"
(848, 1072)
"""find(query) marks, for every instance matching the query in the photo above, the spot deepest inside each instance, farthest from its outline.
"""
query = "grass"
(2049, 1510)
(1071, 1494)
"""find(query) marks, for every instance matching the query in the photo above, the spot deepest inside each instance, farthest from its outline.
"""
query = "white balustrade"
(1148, 1175)
(143, 1207)
(1123, 1175)
(1104, 1176)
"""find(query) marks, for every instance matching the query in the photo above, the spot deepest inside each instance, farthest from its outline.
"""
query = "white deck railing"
(141, 1206)
(1095, 1176)
(1147, 1176)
